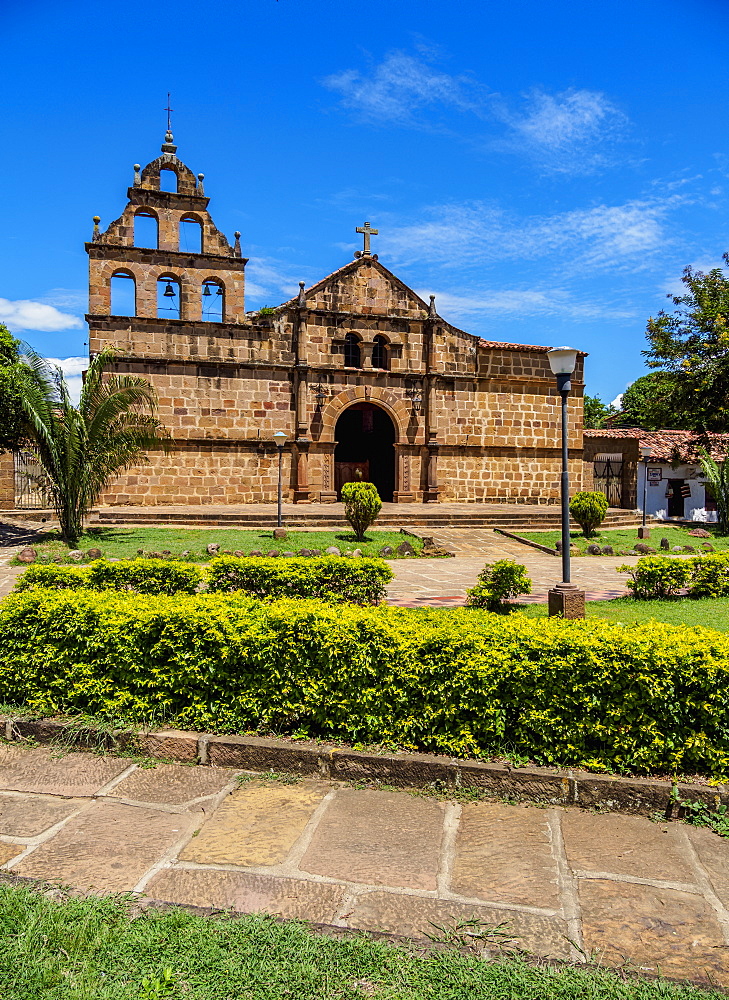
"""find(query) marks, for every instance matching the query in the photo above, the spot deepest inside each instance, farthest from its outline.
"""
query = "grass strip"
(705, 612)
(623, 539)
(126, 543)
(93, 949)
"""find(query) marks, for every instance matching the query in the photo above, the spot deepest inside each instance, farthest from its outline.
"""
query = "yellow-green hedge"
(327, 578)
(460, 681)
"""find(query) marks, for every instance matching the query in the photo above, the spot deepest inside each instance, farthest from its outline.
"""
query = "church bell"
(169, 290)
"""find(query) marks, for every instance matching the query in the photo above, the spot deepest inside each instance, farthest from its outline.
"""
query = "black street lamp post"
(280, 438)
(565, 599)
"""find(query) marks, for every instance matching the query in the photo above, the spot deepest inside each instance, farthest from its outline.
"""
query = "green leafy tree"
(82, 447)
(12, 415)
(691, 345)
(650, 403)
(595, 412)
(589, 510)
(716, 475)
(362, 504)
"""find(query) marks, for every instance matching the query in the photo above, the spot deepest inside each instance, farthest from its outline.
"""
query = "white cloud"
(618, 401)
(72, 369)
(475, 233)
(268, 283)
(67, 298)
(27, 314)
(398, 87)
(566, 131)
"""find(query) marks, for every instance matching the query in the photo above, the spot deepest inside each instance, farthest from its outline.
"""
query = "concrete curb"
(527, 541)
(566, 787)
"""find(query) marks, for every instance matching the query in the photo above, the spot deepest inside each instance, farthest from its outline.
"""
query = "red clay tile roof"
(667, 445)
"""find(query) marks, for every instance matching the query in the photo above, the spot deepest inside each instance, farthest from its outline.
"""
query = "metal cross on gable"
(366, 231)
(169, 111)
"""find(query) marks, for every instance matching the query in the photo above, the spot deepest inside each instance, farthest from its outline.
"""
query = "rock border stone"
(566, 787)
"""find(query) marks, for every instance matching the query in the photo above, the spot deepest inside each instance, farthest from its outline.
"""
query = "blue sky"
(546, 170)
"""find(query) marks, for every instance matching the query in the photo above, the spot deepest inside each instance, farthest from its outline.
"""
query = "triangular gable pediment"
(367, 287)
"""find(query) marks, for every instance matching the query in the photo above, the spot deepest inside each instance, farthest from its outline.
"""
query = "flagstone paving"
(565, 883)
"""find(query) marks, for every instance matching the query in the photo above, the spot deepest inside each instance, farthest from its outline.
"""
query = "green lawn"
(125, 543)
(708, 612)
(623, 539)
(90, 949)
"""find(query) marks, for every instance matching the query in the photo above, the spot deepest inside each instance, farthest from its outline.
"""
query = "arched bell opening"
(365, 449)
(168, 297)
(123, 294)
(213, 300)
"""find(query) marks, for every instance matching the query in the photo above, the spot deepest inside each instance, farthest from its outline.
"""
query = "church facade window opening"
(213, 301)
(380, 353)
(123, 294)
(191, 235)
(352, 351)
(146, 229)
(168, 297)
(168, 180)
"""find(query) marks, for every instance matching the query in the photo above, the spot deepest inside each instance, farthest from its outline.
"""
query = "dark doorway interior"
(365, 438)
(676, 500)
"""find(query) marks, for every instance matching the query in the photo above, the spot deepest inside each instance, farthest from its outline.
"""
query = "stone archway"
(365, 449)
(382, 399)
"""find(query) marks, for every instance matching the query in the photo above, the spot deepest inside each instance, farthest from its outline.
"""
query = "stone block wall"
(198, 473)
(508, 476)
(7, 481)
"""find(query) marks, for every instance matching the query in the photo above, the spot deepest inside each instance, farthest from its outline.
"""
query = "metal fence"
(32, 487)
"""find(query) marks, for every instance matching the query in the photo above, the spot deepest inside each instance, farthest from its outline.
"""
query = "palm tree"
(82, 447)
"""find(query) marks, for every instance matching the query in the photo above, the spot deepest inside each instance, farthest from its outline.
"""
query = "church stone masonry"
(363, 375)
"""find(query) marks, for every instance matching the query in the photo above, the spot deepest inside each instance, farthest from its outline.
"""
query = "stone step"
(513, 520)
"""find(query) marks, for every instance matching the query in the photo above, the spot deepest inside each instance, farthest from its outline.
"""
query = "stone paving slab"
(80, 774)
(385, 839)
(292, 898)
(561, 882)
(506, 855)
(108, 847)
(174, 785)
(257, 825)
(25, 817)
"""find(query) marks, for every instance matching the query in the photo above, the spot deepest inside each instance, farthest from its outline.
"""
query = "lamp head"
(646, 451)
(280, 438)
(562, 360)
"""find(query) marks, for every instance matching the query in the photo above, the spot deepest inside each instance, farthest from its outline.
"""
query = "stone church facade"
(361, 374)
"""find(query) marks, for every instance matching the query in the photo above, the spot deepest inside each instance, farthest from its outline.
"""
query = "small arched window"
(190, 235)
(352, 352)
(380, 353)
(168, 297)
(168, 180)
(146, 230)
(213, 301)
(123, 294)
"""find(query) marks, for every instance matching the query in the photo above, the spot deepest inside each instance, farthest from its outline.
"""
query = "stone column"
(328, 493)
(432, 488)
(404, 492)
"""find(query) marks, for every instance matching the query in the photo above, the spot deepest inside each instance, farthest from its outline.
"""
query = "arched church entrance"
(365, 448)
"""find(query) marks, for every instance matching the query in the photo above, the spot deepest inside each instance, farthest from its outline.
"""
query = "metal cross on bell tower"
(169, 111)
(366, 231)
